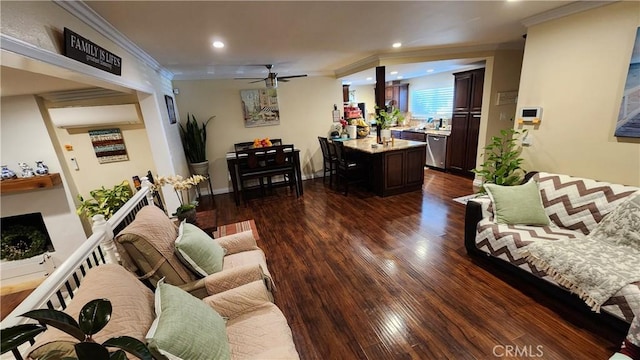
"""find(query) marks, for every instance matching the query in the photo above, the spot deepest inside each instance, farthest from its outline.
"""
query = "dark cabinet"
(462, 147)
(414, 136)
(399, 93)
(398, 171)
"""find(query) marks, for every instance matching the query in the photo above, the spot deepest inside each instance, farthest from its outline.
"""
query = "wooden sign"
(108, 145)
(79, 48)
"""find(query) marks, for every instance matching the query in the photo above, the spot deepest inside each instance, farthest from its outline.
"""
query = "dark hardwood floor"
(363, 277)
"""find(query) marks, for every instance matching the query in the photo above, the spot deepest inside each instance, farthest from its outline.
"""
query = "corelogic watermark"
(519, 351)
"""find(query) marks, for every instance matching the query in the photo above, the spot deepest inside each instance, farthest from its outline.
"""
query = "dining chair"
(350, 171)
(329, 159)
(261, 163)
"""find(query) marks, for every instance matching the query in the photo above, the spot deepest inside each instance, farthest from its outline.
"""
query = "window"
(432, 103)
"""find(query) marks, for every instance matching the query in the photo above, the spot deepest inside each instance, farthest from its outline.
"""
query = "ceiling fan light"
(271, 82)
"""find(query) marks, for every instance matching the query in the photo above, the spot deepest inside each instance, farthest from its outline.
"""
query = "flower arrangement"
(179, 185)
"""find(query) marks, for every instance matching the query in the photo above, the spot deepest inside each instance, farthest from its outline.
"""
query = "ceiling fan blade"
(251, 82)
(248, 78)
(290, 77)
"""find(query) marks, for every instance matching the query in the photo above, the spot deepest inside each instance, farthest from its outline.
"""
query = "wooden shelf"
(32, 183)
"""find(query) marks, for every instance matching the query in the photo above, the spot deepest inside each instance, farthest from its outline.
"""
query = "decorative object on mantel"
(8, 173)
(187, 209)
(105, 201)
(27, 171)
(194, 143)
(41, 168)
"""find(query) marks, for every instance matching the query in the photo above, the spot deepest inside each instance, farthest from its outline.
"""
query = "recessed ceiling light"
(393, 73)
(430, 70)
(399, 78)
(397, 45)
(369, 78)
(346, 83)
(218, 44)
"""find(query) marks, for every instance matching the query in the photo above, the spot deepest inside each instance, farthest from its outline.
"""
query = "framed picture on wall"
(171, 109)
(260, 107)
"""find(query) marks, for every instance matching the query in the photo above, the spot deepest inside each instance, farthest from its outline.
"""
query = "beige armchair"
(146, 247)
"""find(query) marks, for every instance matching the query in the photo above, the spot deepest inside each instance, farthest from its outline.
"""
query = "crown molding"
(87, 15)
(18, 53)
(569, 9)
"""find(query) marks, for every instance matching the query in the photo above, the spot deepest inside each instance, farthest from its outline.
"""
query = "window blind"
(434, 103)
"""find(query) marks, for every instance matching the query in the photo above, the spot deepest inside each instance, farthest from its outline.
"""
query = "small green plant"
(93, 317)
(502, 164)
(385, 120)
(194, 139)
(105, 201)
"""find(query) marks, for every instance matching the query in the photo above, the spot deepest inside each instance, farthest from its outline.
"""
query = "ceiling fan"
(272, 78)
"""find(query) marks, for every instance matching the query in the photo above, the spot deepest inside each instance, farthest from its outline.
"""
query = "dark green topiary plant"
(502, 164)
(93, 317)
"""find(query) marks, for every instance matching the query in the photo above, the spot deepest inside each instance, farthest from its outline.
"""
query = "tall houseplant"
(502, 160)
(194, 143)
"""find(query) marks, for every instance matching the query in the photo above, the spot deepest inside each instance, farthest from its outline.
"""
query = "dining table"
(232, 166)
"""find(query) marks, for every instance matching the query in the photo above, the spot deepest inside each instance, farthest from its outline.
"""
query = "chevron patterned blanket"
(575, 206)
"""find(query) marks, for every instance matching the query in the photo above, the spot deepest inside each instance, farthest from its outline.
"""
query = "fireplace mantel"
(32, 183)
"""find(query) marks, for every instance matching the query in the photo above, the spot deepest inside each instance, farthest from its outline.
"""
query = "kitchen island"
(393, 168)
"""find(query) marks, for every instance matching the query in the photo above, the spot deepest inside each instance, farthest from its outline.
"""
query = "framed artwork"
(171, 109)
(628, 124)
(260, 107)
(108, 145)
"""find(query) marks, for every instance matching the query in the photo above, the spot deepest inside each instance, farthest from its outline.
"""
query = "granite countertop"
(366, 145)
(424, 131)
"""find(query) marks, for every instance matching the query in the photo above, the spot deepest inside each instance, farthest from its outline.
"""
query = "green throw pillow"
(185, 327)
(519, 204)
(198, 251)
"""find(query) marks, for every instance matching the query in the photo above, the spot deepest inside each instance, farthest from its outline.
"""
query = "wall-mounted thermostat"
(530, 114)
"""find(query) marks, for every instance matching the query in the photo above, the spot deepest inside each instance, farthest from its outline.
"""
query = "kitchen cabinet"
(462, 145)
(399, 93)
(415, 136)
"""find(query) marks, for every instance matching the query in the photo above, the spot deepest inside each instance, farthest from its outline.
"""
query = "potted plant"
(194, 143)
(502, 163)
(385, 120)
(93, 317)
(105, 201)
(187, 209)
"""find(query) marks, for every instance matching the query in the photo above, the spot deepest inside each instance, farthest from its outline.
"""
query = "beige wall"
(305, 113)
(91, 174)
(575, 69)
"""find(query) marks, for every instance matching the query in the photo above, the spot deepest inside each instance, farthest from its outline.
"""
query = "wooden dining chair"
(329, 160)
(350, 171)
(261, 163)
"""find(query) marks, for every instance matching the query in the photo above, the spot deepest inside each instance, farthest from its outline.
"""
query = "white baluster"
(145, 183)
(100, 224)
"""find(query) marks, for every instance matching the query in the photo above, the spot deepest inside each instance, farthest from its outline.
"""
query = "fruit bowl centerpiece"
(363, 127)
(260, 143)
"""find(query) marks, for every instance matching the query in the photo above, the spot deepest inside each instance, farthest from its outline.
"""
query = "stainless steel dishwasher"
(436, 151)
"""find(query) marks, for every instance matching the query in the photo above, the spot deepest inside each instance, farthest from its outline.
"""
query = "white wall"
(40, 24)
(305, 113)
(25, 138)
(575, 69)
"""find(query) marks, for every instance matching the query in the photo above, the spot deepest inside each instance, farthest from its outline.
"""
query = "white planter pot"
(385, 134)
(201, 168)
(352, 130)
